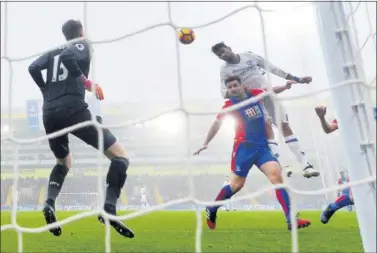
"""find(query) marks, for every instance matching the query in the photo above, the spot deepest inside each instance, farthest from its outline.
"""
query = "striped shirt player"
(344, 179)
(230, 205)
(251, 69)
(343, 199)
(250, 148)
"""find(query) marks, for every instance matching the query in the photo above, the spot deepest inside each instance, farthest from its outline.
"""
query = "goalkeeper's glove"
(99, 93)
(98, 89)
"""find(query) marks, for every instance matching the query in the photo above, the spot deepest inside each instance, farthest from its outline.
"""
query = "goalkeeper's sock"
(55, 183)
(294, 146)
(274, 147)
(225, 193)
(283, 198)
(115, 179)
(341, 201)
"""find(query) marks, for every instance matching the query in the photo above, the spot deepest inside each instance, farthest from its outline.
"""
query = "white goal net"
(161, 97)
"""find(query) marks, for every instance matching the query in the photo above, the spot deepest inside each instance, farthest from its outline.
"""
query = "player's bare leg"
(235, 185)
(56, 180)
(115, 179)
(294, 145)
(272, 170)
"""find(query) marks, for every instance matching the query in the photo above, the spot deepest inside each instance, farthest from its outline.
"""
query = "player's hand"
(306, 79)
(289, 83)
(321, 111)
(99, 93)
(203, 147)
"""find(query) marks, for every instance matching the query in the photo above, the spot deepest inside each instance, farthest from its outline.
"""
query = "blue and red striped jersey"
(249, 119)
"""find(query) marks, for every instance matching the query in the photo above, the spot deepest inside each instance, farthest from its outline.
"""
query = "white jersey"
(143, 191)
(250, 69)
(143, 195)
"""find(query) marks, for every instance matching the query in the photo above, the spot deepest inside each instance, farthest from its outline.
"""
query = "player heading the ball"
(64, 106)
(251, 68)
(250, 148)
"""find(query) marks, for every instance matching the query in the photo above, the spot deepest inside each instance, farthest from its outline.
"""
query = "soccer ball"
(186, 36)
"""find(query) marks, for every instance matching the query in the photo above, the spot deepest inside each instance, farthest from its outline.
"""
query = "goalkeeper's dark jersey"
(63, 87)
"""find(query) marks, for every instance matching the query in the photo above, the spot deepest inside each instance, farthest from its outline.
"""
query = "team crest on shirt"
(250, 62)
(253, 112)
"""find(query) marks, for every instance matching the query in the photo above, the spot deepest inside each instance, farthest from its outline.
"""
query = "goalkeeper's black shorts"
(58, 119)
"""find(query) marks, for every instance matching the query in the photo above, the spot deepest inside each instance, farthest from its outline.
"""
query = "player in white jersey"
(143, 198)
(251, 68)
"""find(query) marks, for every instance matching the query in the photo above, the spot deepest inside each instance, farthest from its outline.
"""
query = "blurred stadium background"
(140, 81)
(159, 158)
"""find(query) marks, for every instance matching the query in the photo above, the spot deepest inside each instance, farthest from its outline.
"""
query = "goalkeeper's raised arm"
(250, 67)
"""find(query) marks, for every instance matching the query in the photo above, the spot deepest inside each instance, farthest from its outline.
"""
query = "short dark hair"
(72, 29)
(217, 47)
(233, 78)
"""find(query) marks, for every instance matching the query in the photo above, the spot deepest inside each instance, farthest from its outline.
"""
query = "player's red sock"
(283, 198)
(341, 201)
(225, 193)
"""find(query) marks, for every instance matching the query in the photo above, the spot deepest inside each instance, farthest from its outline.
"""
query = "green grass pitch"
(170, 231)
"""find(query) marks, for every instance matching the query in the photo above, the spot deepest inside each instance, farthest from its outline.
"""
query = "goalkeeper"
(251, 70)
(64, 106)
(250, 148)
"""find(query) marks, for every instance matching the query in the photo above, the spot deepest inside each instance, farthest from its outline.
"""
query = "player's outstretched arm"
(214, 129)
(287, 86)
(35, 69)
(268, 66)
(326, 126)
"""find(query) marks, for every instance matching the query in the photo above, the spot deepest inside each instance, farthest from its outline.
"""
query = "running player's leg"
(294, 145)
(117, 173)
(290, 139)
(242, 160)
(270, 166)
(342, 201)
(59, 146)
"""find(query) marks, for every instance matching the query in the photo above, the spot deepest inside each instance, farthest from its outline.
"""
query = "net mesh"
(325, 151)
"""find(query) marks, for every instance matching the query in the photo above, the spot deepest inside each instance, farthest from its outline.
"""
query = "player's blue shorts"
(346, 191)
(245, 155)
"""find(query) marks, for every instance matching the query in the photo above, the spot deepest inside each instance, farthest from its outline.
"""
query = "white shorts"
(271, 112)
(143, 199)
(260, 82)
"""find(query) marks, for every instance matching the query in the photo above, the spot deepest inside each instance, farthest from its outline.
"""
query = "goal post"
(353, 111)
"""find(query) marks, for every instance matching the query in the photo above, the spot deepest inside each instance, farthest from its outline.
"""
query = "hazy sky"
(144, 67)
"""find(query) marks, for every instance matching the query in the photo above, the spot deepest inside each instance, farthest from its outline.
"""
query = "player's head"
(223, 51)
(72, 29)
(234, 86)
(342, 173)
